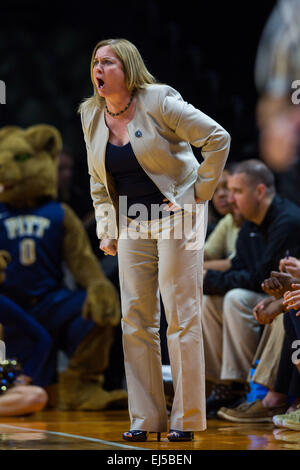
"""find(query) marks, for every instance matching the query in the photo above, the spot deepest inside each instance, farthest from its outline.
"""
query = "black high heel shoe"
(175, 435)
(138, 436)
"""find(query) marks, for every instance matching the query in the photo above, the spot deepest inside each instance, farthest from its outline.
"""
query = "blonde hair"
(136, 74)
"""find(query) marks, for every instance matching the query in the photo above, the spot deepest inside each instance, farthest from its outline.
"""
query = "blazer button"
(138, 133)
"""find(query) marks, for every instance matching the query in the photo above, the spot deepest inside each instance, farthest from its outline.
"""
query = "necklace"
(123, 110)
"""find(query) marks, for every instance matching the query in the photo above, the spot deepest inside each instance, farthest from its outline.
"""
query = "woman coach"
(138, 135)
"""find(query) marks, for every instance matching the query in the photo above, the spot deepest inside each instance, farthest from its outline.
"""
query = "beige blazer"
(163, 127)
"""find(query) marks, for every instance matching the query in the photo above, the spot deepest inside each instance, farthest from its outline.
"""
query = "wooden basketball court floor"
(62, 430)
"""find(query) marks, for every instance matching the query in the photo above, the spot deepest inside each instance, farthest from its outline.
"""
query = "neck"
(238, 219)
(262, 210)
(118, 102)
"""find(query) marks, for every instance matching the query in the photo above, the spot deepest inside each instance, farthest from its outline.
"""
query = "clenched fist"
(109, 246)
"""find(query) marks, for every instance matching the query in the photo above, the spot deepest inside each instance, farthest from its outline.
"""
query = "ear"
(44, 137)
(261, 190)
(7, 130)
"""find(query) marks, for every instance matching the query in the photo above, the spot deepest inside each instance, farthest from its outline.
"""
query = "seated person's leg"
(241, 333)
(267, 368)
(275, 401)
(28, 341)
(240, 338)
(292, 328)
(212, 327)
(22, 400)
(222, 393)
(294, 390)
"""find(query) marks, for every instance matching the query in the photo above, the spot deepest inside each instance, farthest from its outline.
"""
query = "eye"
(21, 157)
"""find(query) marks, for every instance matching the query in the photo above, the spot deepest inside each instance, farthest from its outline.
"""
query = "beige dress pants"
(173, 266)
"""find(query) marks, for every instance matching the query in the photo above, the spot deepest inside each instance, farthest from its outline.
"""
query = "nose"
(99, 67)
(230, 197)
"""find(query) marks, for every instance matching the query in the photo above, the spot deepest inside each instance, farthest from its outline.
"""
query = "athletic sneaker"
(279, 419)
(292, 420)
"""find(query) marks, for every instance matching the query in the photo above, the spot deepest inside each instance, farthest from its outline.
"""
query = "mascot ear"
(44, 137)
(5, 131)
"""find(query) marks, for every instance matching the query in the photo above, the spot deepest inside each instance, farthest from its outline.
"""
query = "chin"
(224, 210)
(237, 211)
(101, 92)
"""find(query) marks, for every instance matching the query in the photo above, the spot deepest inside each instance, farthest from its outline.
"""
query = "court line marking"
(76, 436)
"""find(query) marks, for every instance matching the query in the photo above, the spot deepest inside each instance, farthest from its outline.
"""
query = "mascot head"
(28, 164)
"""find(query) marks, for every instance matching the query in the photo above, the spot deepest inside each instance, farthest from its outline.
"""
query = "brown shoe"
(254, 412)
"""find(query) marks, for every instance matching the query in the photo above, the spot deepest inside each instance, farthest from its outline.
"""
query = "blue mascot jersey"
(34, 239)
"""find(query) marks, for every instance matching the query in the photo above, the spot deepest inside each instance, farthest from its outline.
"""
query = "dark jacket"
(259, 249)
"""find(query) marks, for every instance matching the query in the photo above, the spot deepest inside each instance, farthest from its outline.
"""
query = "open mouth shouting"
(100, 83)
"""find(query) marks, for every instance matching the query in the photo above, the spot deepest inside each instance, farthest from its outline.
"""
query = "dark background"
(204, 49)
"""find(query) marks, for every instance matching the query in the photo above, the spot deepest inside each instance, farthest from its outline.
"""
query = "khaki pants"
(147, 265)
(268, 353)
(231, 334)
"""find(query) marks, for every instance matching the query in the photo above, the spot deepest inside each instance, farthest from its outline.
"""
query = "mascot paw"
(102, 304)
(78, 392)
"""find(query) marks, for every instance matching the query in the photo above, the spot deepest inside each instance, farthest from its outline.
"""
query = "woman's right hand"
(109, 246)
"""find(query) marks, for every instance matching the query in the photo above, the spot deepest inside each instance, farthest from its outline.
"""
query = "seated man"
(231, 333)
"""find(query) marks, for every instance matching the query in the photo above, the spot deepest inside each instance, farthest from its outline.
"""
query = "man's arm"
(218, 283)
